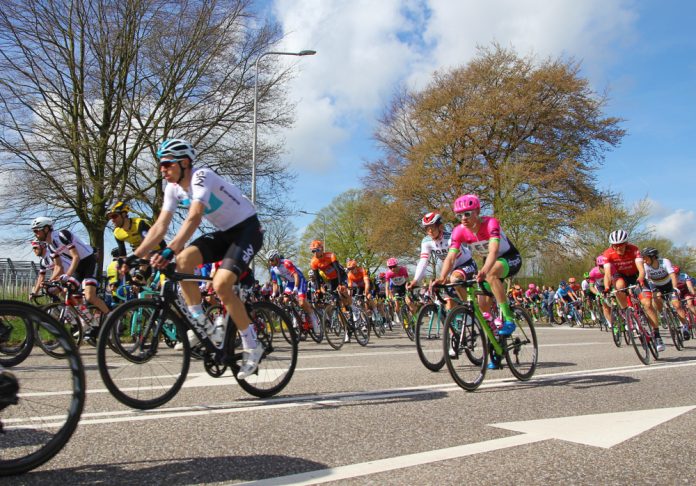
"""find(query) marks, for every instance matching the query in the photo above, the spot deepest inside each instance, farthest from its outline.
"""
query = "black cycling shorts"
(236, 246)
(86, 271)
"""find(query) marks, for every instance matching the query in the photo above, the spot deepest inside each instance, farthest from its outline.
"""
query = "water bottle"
(218, 330)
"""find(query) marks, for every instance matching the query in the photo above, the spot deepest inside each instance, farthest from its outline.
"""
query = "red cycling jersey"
(625, 264)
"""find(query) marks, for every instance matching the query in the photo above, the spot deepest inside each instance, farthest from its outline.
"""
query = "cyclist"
(662, 277)
(595, 280)
(486, 238)
(40, 249)
(396, 280)
(566, 294)
(283, 270)
(575, 286)
(326, 266)
(628, 264)
(359, 279)
(82, 270)
(128, 230)
(437, 242)
(238, 238)
(686, 289)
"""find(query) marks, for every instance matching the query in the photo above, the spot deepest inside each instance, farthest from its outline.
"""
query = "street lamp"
(256, 96)
(323, 219)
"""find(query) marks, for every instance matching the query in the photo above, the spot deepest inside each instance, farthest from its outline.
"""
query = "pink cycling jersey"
(397, 278)
(489, 230)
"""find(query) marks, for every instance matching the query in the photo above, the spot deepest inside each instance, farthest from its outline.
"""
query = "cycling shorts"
(86, 271)
(236, 246)
(512, 262)
(632, 280)
(301, 288)
(399, 290)
(465, 271)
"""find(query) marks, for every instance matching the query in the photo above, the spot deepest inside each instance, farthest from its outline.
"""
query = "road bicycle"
(430, 326)
(405, 316)
(146, 374)
(639, 331)
(301, 322)
(40, 405)
(670, 319)
(470, 339)
(376, 320)
(340, 323)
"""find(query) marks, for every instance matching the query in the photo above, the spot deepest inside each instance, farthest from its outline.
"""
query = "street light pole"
(323, 220)
(256, 100)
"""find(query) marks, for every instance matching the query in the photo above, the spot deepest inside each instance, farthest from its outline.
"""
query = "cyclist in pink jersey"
(486, 239)
(397, 278)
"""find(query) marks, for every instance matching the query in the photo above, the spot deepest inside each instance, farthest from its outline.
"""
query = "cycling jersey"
(531, 294)
(357, 278)
(660, 275)
(439, 248)
(398, 277)
(563, 292)
(47, 262)
(624, 265)
(489, 231)
(585, 285)
(225, 205)
(133, 236)
(63, 241)
(286, 271)
(328, 268)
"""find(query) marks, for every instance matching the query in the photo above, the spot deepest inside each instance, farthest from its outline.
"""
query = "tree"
(525, 135)
(90, 88)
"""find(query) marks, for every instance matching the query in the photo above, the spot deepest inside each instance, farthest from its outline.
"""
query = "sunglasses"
(467, 214)
(317, 250)
(114, 215)
(620, 245)
(38, 230)
(393, 266)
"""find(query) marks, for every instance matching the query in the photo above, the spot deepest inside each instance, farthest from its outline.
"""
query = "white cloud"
(365, 47)
(679, 226)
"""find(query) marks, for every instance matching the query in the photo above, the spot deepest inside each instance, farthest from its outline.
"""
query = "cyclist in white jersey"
(437, 242)
(663, 280)
(82, 269)
(40, 249)
(237, 239)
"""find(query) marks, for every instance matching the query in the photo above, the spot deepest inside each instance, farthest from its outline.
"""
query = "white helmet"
(40, 222)
(617, 237)
(272, 254)
(177, 148)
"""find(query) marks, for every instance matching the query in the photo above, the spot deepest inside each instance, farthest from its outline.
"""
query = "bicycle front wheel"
(464, 348)
(50, 398)
(70, 321)
(361, 327)
(521, 347)
(137, 367)
(669, 316)
(430, 328)
(637, 336)
(334, 329)
(407, 321)
(16, 335)
(280, 356)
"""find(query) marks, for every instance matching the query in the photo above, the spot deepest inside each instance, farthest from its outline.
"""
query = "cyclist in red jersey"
(628, 266)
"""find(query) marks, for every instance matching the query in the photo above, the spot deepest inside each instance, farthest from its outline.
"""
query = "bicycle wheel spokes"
(464, 348)
(16, 338)
(334, 330)
(280, 357)
(637, 336)
(50, 399)
(429, 333)
(521, 347)
(361, 327)
(137, 368)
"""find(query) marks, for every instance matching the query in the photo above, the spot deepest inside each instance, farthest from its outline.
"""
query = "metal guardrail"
(17, 278)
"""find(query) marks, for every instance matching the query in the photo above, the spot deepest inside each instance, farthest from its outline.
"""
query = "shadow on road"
(554, 364)
(178, 472)
(576, 382)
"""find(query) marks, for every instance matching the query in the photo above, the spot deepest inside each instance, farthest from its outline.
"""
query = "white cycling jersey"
(660, 275)
(225, 205)
(47, 262)
(63, 241)
(439, 248)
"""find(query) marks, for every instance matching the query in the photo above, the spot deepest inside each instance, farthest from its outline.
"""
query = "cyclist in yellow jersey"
(128, 230)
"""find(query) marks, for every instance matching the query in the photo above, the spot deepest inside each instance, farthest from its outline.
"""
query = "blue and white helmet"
(177, 148)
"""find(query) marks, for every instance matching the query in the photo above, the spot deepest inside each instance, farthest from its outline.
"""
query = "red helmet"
(676, 268)
(601, 260)
(392, 262)
(382, 275)
(430, 219)
(467, 202)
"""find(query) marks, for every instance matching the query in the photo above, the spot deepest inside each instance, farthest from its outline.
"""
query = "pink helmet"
(466, 202)
(532, 286)
(431, 218)
(392, 262)
(601, 260)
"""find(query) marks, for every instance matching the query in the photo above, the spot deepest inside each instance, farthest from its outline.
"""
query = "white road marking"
(601, 430)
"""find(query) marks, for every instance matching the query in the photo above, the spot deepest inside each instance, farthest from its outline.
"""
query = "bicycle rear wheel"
(378, 325)
(464, 348)
(69, 320)
(334, 329)
(429, 332)
(521, 347)
(637, 336)
(407, 321)
(280, 356)
(50, 398)
(617, 327)
(674, 327)
(138, 368)
(361, 327)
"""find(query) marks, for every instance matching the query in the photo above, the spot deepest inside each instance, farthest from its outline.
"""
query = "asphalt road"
(376, 415)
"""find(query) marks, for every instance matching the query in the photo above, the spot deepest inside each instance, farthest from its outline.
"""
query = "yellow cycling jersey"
(135, 234)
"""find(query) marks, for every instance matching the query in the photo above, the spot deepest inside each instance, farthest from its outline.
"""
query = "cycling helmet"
(382, 275)
(563, 283)
(38, 244)
(392, 262)
(601, 260)
(177, 148)
(119, 207)
(586, 275)
(466, 202)
(571, 280)
(316, 245)
(676, 268)
(272, 254)
(41, 222)
(617, 237)
(310, 273)
(351, 264)
(431, 219)
(531, 286)
(649, 251)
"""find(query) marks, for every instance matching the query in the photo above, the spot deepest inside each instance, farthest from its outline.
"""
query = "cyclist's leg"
(186, 262)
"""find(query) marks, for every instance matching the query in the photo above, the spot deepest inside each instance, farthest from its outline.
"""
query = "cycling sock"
(507, 312)
(248, 337)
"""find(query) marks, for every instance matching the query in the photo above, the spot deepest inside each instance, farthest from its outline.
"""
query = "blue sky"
(642, 53)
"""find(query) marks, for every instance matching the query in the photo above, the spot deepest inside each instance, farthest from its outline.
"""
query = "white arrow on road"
(600, 430)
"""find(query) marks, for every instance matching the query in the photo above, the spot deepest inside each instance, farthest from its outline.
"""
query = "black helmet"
(115, 253)
(649, 251)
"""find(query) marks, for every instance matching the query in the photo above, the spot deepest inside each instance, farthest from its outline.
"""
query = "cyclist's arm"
(39, 280)
(191, 224)
(690, 286)
(156, 234)
(366, 279)
(607, 276)
(121, 247)
(641, 269)
(75, 261)
(447, 265)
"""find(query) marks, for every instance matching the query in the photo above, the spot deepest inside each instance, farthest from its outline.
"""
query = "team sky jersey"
(623, 265)
(286, 270)
(225, 205)
(489, 230)
(63, 241)
(398, 277)
(682, 278)
(357, 278)
(439, 248)
(325, 265)
(661, 274)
